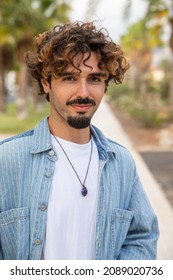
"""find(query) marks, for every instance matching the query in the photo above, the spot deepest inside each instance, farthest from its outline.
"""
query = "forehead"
(85, 63)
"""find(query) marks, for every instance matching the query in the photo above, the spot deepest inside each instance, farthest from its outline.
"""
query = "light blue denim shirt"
(126, 226)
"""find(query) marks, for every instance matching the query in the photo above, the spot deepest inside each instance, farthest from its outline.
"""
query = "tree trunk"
(22, 102)
(143, 90)
(22, 78)
(171, 85)
(2, 85)
(133, 77)
(171, 80)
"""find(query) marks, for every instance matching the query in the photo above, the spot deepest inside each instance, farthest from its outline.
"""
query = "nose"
(83, 90)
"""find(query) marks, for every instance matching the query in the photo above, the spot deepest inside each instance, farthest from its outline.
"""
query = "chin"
(79, 122)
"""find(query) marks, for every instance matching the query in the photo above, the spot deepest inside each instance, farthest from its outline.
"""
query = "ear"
(45, 85)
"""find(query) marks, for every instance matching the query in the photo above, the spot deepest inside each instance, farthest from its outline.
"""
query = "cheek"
(99, 93)
(57, 99)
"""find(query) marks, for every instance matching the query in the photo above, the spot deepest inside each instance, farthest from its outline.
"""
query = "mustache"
(80, 101)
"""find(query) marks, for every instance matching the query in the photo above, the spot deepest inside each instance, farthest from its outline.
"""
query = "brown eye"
(69, 78)
(95, 79)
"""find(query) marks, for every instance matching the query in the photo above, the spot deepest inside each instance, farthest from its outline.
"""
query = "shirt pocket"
(120, 223)
(14, 233)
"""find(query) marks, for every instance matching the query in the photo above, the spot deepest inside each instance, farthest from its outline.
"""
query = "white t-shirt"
(70, 232)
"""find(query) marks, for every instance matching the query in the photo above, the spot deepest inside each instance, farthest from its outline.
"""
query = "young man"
(66, 191)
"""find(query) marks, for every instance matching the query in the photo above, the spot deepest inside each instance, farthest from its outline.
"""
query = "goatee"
(79, 122)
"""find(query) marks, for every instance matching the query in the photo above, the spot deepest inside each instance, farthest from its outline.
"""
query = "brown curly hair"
(55, 49)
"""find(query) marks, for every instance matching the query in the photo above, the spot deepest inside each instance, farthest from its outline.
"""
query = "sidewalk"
(107, 122)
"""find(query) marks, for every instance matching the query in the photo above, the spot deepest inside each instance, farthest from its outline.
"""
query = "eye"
(96, 79)
(69, 78)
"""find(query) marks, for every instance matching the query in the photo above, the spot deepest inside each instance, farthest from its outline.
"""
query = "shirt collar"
(103, 144)
(41, 140)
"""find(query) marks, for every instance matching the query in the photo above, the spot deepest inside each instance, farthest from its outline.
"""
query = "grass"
(10, 124)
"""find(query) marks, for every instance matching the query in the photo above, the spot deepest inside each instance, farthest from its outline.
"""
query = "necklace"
(84, 190)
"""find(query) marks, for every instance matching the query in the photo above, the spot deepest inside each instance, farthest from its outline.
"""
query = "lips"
(81, 107)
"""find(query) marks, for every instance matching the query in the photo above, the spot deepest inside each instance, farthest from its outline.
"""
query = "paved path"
(107, 122)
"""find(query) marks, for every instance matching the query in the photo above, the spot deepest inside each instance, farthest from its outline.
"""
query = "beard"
(79, 122)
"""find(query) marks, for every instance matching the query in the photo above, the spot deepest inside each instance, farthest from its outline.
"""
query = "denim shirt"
(126, 225)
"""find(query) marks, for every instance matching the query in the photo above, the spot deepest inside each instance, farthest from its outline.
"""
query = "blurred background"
(143, 104)
(144, 28)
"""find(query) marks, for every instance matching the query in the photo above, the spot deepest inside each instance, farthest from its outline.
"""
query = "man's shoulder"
(116, 145)
(15, 150)
(119, 152)
(111, 144)
(15, 139)
(15, 147)
(32, 141)
(22, 137)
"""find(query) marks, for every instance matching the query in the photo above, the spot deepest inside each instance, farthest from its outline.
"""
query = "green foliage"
(141, 37)
(161, 86)
(21, 17)
(117, 91)
(20, 22)
(149, 111)
(147, 114)
(151, 99)
(9, 124)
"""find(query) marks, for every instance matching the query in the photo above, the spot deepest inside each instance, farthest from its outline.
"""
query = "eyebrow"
(98, 74)
(62, 74)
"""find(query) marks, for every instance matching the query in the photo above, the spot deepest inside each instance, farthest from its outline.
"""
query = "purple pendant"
(84, 191)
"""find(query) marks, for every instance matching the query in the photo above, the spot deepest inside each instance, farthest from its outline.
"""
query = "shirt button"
(43, 207)
(48, 174)
(51, 153)
(37, 242)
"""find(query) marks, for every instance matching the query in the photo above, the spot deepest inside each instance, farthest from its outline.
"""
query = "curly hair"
(55, 49)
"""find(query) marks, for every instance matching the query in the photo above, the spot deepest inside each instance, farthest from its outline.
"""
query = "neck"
(79, 136)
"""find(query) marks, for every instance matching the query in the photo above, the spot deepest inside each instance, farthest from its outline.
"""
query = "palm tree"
(2, 82)
(138, 44)
(158, 15)
(22, 20)
(6, 60)
(3, 66)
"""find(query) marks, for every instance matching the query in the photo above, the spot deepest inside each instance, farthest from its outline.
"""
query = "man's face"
(75, 96)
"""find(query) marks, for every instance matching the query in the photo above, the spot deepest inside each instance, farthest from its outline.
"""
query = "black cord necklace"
(84, 190)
